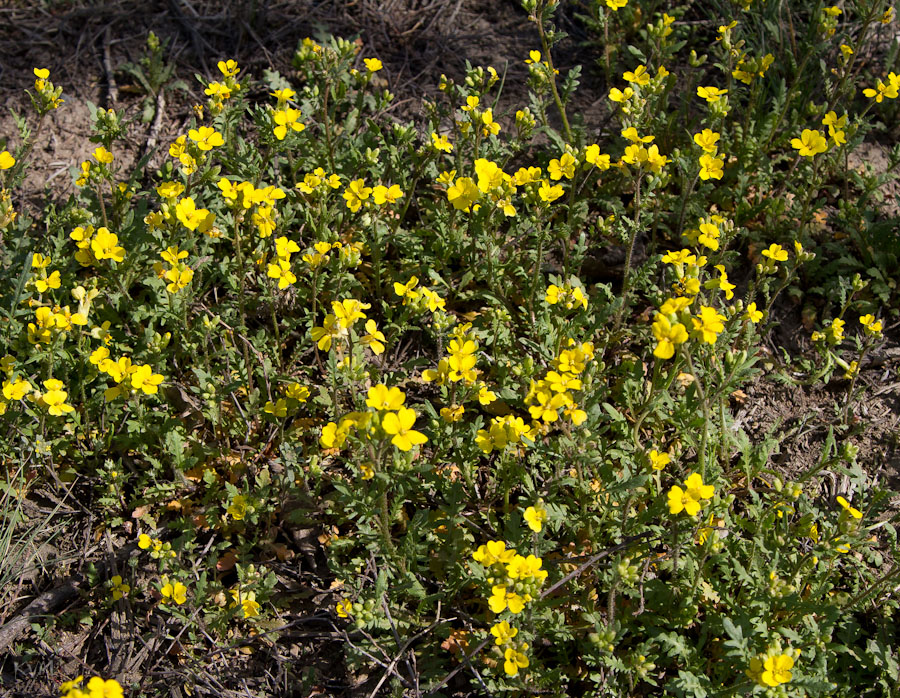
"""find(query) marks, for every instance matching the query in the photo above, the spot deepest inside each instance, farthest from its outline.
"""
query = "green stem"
(545, 47)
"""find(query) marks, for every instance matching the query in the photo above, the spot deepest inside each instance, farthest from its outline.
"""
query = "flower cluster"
(129, 377)
(96, 687)
(547, 396)
(690, 498)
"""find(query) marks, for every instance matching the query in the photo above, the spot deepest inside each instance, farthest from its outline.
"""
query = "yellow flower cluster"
(710, 163)
(388, 412)
(749, 68)
(515, 580)
(568, 295)
(637, 155)
(158, 549)
(419, 297)
(460, 365)
(95, 688)
(493, 185)
(338, 323)
(294, 396)
(773, 667)
(91, 173)
(318, 180)
(281, 268)
(96, 245)
(221, 92)
(54, 398)
(48, 95)
(128, 376)
(41, 281)
(546, 397)
(178, 274)
(504, 431)
(49, 323)
(190, 150)
(12, 388)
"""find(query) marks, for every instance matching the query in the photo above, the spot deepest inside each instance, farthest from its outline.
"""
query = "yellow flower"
(16, 390)
(55, 398)
(871, 326)
(170, 190)
(752, 314)
(344, 608)
(281, 270)
(356, 193)
(667, 336)
(503, 633)
(845, 505)
(593, 156)
(711, 94)
(710, 167)
(176, 591)
(810, 143)
(193, 218)
(690, 498)
(463, 193)
(98, 688)
(621, 96)
(228, 68)
(374, 338)
(494, 551)
(502, 599)
(564, 167)
(513, 658)
(247, 602)
(639, 76)
(616, 5)
(776, 253)
(400, 425)
(380, 397)
(144, 379)
(777, 670)
(631, 133)
(285, 118)
(471, 103)
(659, 460)
(373, 65)
(118, 588)
(238, 507)
(386, 195)
(6, 160)
(441, 143)
(708, 324)
(102, 155)
(348, 311)
(331, 329)
(535, 517)
(206, 137)
(105, 245)
(550, 192)
(489, 127)
(454, 413)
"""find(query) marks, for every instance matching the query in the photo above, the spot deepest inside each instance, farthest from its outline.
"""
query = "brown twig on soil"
(112, 90)
(153, 134)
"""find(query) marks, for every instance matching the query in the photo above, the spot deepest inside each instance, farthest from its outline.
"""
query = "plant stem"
(545, 47)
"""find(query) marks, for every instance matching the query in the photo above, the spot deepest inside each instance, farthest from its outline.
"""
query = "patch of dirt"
(877, 157)
(798, 417)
